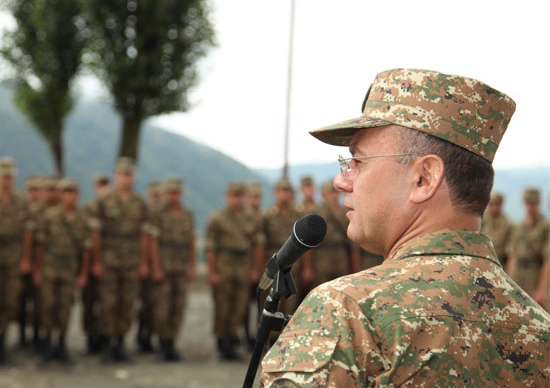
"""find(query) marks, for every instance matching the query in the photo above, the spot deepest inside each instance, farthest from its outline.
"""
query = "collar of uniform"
(448, 242)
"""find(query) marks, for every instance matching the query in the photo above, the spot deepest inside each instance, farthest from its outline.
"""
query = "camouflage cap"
(173, 185)
(154, 187)
(33, 183)
(67, 184)
(328, 185)
(496, 198)
(461, 110)
(125, 164)
(284, 184)
(7, 166)
(101, 179)
(49, 182)
(236, 188)
(306, 180)
(531, 195)
(254, 189)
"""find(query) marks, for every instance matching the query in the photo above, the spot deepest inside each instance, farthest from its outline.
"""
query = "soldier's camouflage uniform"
(176, 235)
(232, 236)
(500, 231)
(64, 240)
(121, 224)
(424, 315)
(527, 246)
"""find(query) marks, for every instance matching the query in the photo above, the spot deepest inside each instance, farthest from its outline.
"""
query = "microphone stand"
(270, 319)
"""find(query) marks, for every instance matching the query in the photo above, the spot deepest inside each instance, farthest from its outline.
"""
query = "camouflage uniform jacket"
(499, 231)
(176, 234)
(232, 231)
(439, 312)
(528, 242)
(277, 226)
(14, 219)
(63, 239)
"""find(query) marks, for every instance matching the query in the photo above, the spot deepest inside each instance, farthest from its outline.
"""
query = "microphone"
(308, 232)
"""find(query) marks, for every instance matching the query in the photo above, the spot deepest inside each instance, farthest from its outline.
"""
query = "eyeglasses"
(345, 166)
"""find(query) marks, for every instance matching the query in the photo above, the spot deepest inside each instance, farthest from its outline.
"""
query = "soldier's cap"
(306, 180)
(531, 195)
(125, 165)
(461, 110)
(254, 189)
(33, 183)
(173, 185)
(284, 184)
(328, 185)
(49, 182)
(236, 188)
(67, 184)
(154, 187)
(496, 197)
(7, 166)
(101, 179)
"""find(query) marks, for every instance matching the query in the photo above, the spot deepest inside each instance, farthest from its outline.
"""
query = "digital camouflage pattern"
(527, 246)
(232, 236)
(439, 312)
(499, 229)
(457, 109)
(176, 235)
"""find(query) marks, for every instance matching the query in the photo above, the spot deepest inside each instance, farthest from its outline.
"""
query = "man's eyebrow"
(352, 147)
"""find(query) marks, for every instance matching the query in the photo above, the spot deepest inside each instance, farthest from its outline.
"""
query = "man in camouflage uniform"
(90, 293)
(278, 223)
(15, 223)
(232, 237)
(173, 266)
(337, 255)
(439, 311)
(497, 227)
(526, 263)
(63, 244)
(307, 189)
(121, 217)
(145, 314)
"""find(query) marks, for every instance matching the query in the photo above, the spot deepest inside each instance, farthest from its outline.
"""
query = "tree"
(146, 53)
(45, 50)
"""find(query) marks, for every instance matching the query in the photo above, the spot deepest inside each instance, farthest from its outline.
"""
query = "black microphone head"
(310, 230)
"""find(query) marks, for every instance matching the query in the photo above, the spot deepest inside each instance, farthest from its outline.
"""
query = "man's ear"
(428, 174)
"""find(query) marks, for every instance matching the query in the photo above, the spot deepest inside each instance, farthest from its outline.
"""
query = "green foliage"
(146, 52)
(45, 51)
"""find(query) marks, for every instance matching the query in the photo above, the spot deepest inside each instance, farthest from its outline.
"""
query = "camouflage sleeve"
(326, 344)
(212, 233)
(152, 224)
(511, 247)
(93, 215)
(41, 230)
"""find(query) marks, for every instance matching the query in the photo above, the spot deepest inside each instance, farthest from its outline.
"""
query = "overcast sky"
(339, 47)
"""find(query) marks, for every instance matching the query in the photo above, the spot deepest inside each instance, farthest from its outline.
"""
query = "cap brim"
(339, 134)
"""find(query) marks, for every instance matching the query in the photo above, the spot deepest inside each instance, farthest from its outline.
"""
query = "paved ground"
(201, 368)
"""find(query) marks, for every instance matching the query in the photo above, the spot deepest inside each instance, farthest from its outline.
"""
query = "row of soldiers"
(120, 248)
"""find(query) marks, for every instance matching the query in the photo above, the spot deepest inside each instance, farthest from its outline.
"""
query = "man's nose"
(341, 183)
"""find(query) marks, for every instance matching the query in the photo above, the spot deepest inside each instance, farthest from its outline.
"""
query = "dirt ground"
(196, 342)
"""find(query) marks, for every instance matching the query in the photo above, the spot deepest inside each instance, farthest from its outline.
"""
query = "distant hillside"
(510, 182)
(91, 144)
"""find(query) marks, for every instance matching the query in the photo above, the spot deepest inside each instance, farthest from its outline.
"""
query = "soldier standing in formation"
(173, 267)
(233, 240)
(145, 315)
(526, 264)
(337, 255)
(62, 240)
(497, 226)
(90, 293)
(119, 259)
(15, 248)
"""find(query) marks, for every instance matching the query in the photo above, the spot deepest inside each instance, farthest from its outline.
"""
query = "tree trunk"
(57, 150)
(131, 128)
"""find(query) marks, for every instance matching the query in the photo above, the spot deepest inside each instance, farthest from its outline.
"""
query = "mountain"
(91, 138)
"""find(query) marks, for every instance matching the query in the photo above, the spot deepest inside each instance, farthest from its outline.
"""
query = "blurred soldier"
(15, 247)
(119, 259)
(277, 226)
(90, 293)
(529, 239)
(62, 240)
(28, 313)
(232, 237)
(497, 226)
(337, 255)
(145, 314)
(307, 189)
(173, 267)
